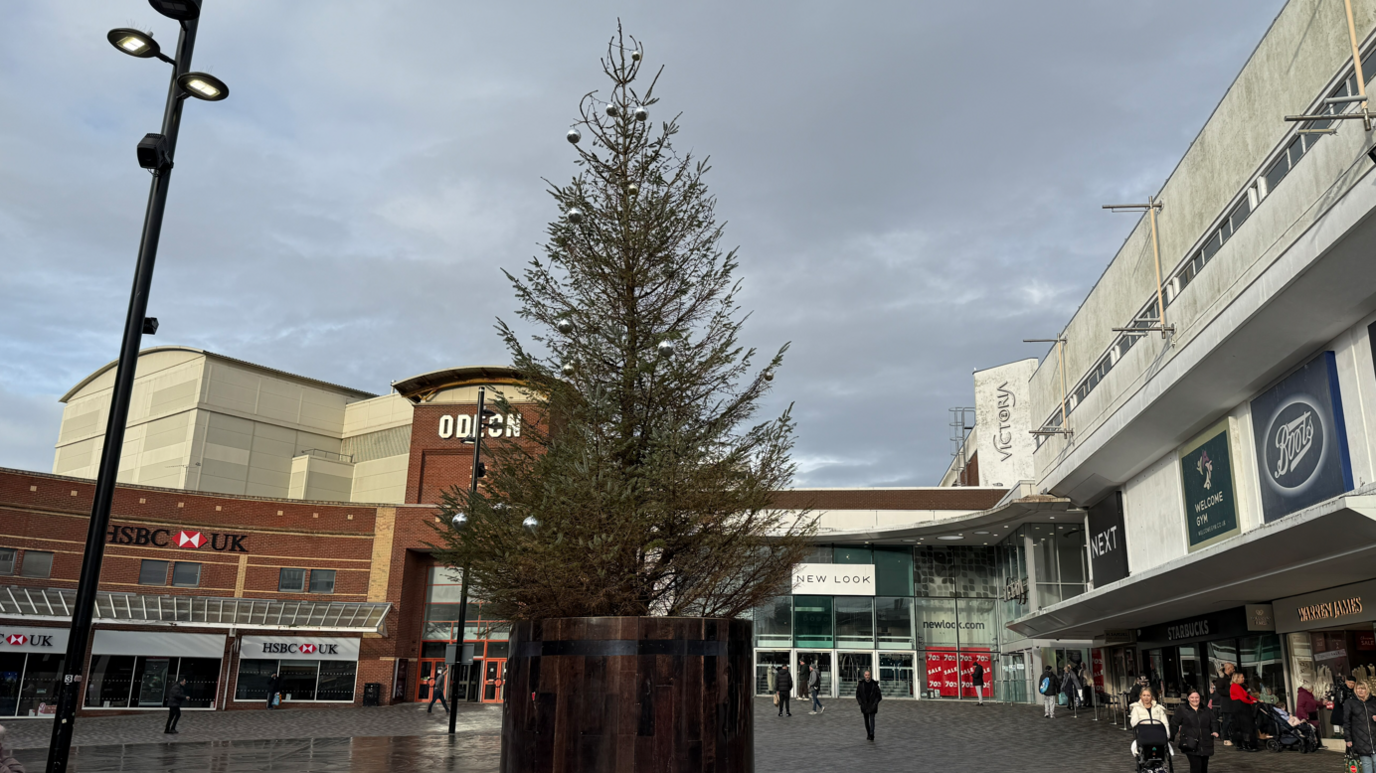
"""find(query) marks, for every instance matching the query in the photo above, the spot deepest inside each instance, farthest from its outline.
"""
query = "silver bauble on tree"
(569, 369)
(641, 114)
(460, 521)
(574, 136)
(768, 375)
(564, 326)
(666, 348)
(613, 110)
(575, 215)
(635, 56)
(633, 189)
(531, 523)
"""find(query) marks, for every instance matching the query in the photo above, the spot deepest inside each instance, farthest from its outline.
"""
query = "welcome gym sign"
(833, 580)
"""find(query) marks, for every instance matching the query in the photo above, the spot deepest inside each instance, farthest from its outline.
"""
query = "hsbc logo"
(282, 648)
(187, 539)
(20, 640)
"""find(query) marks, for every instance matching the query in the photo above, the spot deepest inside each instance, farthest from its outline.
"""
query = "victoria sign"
(1301, 441)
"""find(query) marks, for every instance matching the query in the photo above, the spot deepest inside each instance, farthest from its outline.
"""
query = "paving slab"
(922, 736)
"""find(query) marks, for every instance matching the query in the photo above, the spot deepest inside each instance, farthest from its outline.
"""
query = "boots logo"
(1294, 443)
(187, 539)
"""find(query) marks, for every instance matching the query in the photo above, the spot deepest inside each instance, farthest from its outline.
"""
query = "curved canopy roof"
(416, 388)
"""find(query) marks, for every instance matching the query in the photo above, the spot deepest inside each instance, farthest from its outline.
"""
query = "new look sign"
(833, 580)
(1301, 441)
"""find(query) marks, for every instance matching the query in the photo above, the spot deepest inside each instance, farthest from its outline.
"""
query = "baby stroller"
(1275, 722)
(1153, 748)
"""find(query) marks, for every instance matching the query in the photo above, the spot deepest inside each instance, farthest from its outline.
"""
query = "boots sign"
(833, 580)
(1301, 440)
(187, 539)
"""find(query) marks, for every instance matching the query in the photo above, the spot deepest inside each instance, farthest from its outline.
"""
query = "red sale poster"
(1097, 664)
(968, 658)
(950, 673)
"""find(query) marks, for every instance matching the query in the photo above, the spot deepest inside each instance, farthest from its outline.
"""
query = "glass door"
(895, 674)
(852, 667)
(766, 668)
(494, 680)
(428, 668)
(154, 682)
(822, 661)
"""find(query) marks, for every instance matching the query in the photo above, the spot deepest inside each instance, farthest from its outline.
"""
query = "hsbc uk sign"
(188, 539)
(298, 648)
(33, 639)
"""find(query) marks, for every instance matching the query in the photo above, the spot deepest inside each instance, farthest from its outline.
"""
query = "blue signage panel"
(1301, 441)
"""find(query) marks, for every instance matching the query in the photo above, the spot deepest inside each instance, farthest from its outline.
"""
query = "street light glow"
(133, 42)
(203, 86)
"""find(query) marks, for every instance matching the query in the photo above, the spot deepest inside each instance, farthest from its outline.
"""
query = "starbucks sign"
(1301, 443)
(1206, 476)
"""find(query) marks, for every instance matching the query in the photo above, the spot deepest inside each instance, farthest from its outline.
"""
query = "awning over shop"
(34, 604)
(1330, 544)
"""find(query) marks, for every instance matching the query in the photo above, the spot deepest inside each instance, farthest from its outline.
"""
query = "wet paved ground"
(927, 737)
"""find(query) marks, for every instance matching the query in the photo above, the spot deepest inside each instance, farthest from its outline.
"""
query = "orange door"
(427, 670)
(494, 680)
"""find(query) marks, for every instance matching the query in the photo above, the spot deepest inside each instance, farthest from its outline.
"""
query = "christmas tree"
(644, 485)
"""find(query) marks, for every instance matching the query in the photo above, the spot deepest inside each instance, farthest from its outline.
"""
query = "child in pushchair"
(1152, 747)
(1285, 731)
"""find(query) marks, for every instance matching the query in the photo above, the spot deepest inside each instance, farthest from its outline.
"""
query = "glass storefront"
(129, 681)
(485, 678)
(29, 683)
(301, 680)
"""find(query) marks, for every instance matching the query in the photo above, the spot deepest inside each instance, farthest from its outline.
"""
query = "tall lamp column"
(479, 425)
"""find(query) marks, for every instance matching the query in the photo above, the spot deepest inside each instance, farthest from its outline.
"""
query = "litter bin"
(372, 694)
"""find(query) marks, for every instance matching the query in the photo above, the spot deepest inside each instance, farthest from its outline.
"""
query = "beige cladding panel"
(376, 414)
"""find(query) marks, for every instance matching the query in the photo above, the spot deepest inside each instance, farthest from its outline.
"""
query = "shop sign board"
(21, 639)
(1003, 419)
(1216, 625)
(1206, 472)
(1301, 440)
(833, 580)
(1108, 550)
(155, 644)
(185, 538)
(1330, 608)
(297, 648)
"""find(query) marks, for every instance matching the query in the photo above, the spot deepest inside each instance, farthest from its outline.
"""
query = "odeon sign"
(461, 425)
(188, 539)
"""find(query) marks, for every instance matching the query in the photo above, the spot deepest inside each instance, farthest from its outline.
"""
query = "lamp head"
(203, 86)
(133, 42)
(181, 10)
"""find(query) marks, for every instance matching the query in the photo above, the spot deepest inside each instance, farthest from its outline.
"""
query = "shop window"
(935, 622)
(291, 581)
(433, 649)
(774, 623)
(186, 574)
(153, 572)
(893, 570)
(766, 668)
(127, 681)
(7, 556)
(846, 554)
(978, 623)
(1263, 666)
(298, 679)
(253, 679)
(37, 564)
(854, 622)
(35, 694)
(322, 581)
(336, 680)
(894, 622)
(812, 624)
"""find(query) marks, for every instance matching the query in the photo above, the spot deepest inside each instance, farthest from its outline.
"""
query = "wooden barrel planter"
(629, 695)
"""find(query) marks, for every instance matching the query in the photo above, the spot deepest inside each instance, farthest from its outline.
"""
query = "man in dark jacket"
(977, 678)
(1359, 726)
(174, 705)
(439, 685)
(784, 682)
(1342, 690)
(1049, 686)
(868, 696)
(274, 687)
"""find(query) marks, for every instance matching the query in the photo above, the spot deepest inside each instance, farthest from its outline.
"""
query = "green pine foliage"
(648, 472)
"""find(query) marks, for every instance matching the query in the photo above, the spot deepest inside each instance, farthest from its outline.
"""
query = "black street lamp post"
(155, 153)
(479, 426)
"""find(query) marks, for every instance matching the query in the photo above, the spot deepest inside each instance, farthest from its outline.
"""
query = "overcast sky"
(914, 187)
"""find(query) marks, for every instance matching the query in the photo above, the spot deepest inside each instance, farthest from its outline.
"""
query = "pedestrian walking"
(274, 689)
(977, 678)
(1223, 702)
(802, 683)
(1359, 723)
(785, 682)
(1244, 715)
(174, 706)
(439, 685)
(1070, 688)
(1049, 687)
(814, 686)
(8, 764)
(1194, 728)
(868, 696)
